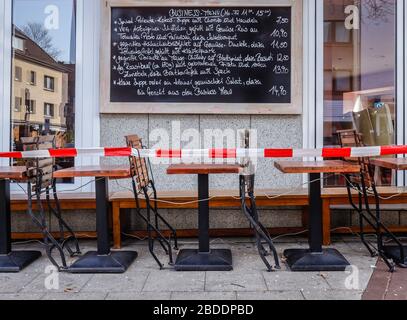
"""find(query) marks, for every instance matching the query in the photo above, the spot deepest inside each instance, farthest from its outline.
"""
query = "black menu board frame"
(118, 103)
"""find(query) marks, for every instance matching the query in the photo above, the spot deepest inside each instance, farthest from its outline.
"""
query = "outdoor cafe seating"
(249, 210)
(40, 182)
(143, 185)
(388, 246)
(358, 175)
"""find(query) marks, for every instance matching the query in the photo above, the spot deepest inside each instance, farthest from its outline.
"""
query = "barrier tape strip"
(211, 153)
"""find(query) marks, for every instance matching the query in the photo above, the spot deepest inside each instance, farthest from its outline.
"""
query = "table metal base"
(304, 260)
(17, 260)
(193, 260)
(393, 252)
(115, 262)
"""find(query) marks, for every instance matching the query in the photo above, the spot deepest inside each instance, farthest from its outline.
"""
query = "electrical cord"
(213, 197)
(66, 191)
(28, 242)
(299, 187)
(371, 192)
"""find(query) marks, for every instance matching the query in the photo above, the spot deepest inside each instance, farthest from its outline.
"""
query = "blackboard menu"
(204, 55)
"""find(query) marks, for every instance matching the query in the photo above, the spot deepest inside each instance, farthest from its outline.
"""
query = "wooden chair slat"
(350, 138)
(138, 166)
(43, 166)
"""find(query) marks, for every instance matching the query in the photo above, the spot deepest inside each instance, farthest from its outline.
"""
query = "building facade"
(350, 63)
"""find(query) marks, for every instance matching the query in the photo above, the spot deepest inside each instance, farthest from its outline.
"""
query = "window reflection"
(359, 73)
(43, 89)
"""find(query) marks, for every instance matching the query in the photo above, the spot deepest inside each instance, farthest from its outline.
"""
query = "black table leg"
(10, 261)
(315, 258)
(103, 260)
(204, 259)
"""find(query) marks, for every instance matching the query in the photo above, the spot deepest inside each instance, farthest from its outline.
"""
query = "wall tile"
(276, 132)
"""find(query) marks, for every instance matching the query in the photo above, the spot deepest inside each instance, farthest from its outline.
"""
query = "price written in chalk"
(278, 91)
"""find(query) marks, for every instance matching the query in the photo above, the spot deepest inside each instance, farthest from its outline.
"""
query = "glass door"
(359, 74)
(43, 73)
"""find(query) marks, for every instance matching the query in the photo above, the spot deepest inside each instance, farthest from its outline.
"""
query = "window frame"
(86, 85)
(32, 81)
(51, 108)
(401, 69)
(51, 83)
(20, 78)
(20, 104)
(20, 40)
(32, 105)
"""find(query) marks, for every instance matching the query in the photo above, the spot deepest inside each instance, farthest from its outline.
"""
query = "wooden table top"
(329, 166)
(14, 173)
(391, 163)
(203, 168)
(108, 171)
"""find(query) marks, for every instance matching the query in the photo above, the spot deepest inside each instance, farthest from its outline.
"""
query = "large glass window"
(360, 72)
(43, 88)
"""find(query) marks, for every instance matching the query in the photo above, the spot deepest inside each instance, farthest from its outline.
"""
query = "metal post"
(315, 213)
(203, 212)
(102, 217)
(5, 223)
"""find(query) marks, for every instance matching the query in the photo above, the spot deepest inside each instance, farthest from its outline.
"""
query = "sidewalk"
(248, 280)
(384, 285)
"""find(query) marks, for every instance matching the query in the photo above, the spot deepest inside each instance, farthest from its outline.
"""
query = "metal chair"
(365, 185)
(143, 185)
(41, 181)
(249, 209)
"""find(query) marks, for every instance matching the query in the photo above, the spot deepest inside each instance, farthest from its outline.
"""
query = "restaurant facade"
(341, 65)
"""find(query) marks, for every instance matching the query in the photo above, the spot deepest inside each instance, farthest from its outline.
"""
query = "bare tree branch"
(40, 35)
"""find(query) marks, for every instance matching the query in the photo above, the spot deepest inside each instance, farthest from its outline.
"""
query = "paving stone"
(167, 281)
(20, 296)
(250, 262)
(248, 280)
(203, 296)
(41, 264)
(270, 295)
(67, 283)
(352, 279)
(233, 281)
(363, 262)
(379, 282)
(127, 282)
(139, 296)
(397, 289)
(75, 296)
(332, 294)
(145, 260)
(385, 285)
(16, 282)
(294, 281)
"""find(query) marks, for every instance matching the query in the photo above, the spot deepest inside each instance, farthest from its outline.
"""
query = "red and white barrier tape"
(212, 153)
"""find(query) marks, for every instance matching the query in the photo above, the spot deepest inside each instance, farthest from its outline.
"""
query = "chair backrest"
(139, 168)
(349, 139)
(39, 170)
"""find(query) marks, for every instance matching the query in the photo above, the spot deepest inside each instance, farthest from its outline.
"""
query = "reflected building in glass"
(43, 76)
(40, 90)
(360, 72)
